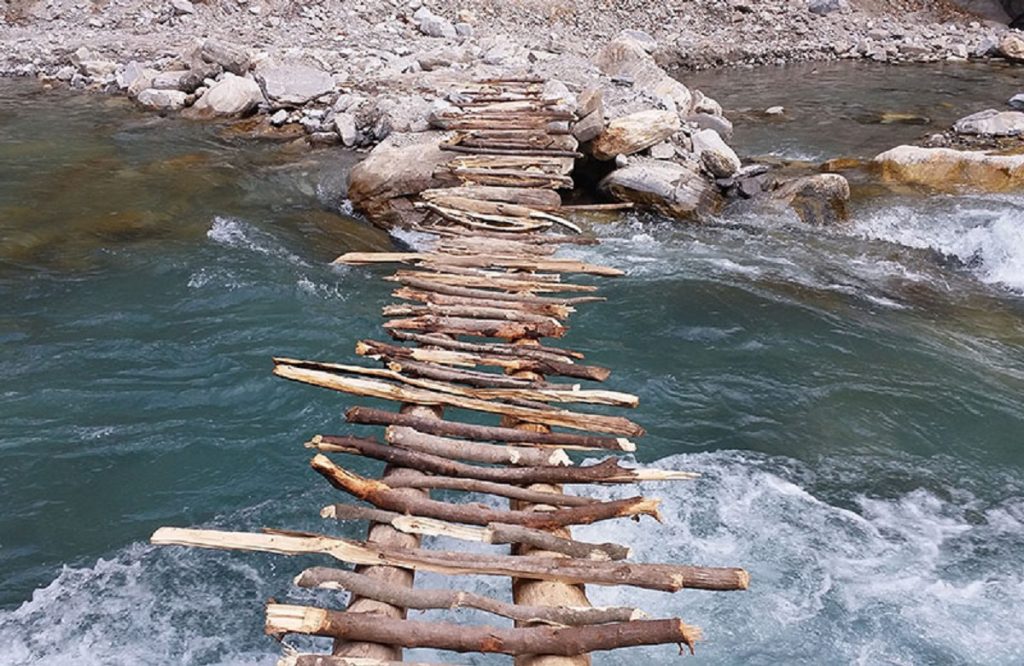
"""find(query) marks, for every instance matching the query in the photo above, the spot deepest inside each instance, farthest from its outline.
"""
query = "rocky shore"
(384, 71)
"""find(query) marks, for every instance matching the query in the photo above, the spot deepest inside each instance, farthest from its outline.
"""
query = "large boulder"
(991, 123)
(231, 96)
(162, 100)
(672, 189)
(294, 85)
(1011, 47)
(399, 167)
(819, 199)
(716, 156)
(627, 58)
(949, 170)
(231, 58)
(635, 132)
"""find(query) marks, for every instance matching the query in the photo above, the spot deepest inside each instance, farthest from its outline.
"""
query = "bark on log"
(372, 416)
(484, 328)
(308, 659)
(493, 533)
(473, 378)
(284, 619)
(430, 599)
(433, 298)
(606, 472)
(663, 577)
(460, 449)
(539, 352)
(385, 497)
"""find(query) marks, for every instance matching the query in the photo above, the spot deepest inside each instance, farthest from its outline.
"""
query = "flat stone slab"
(294, 85)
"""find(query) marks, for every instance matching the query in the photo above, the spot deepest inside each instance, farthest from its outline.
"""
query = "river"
(852, 397)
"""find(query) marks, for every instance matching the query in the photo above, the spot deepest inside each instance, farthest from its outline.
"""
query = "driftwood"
(429, 285)
(473, 378)
(496, 208)
(466, 359)
(664, 577)
(483, 281)
(556, 165)
(523, 351)
(510, 178)
(516, 195)
(485, 328)
(434, 298)
(484, 260)
(486, 220)
(607, 472)
(372, 416)
(493, 533)
(385, 497)
(426, 599)
(506, 149)
(460, 449)
(284, 619)
(311, 659)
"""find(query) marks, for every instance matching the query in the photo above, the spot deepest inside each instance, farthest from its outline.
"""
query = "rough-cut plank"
(664, 577)
(606, 472)
(372, 416)
(385, 497)
(284, 619)
(426, 599)
(493, 533)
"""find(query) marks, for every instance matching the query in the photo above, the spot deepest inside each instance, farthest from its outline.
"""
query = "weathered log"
(484, 221)
(485, 328)
(538, 351)
(473, 378)
(516, 285)
(507, 149)
(429, 285)
(313, 659)
(464, 311)
(284, 619)
(434, 298)
(497, 208)
(372, 416)
(606, 472)
(494, 533)
(556, 165)
(431, 599)
(376, 349)
(516, 195)
(385, 497)
(511, 178)
(664, 577)
(461, 449)
(482, 260)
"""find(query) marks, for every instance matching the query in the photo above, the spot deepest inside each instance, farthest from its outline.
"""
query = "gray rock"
(97, 68)
(590, 126)
(635, 132)
(642, 38)
(66, 73)
(186, 80)
(716, 156)
(280, 117)
(231, 58)
(558, 92)
(1017, 101)
(822, 7)
(231, 96)
(819, 199)
(463, 29)
(720, 124)
(432, 25)
(162, 100)
(294, 85)
(127, 75)
(345, 126)
(1011, 47)
(991, 123)
(590, 100)
(663, 151)
(676, 190)
(621, 160)
(183, 7)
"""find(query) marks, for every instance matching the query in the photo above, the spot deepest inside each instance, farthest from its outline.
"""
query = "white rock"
(775, 110)
(279, 118)
(162, 100)
(183, 7)
(991, 123)
(294, 84)
(1017, 101)
(345, 126)
(715, 154)
(232, 95)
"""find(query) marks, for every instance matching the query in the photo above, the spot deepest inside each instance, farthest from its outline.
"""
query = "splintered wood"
(466, 330)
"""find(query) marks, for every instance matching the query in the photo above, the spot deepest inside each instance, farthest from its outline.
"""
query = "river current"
(851, 396)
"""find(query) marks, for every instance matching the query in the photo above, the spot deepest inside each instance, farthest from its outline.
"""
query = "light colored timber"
(285, 619)
(566, 440)
(437, 287)
(428, 599)
(373, 388)
(517, 195)
(461, 449)
(664, 577)
(556, 165)
(469, 311)
(489, 282)
(311, 659)
(434, 298)
(385, 497)
(499, 208)
(533, 351)
(529, 263)
(484, 220)
(492, 533)
(484, 328)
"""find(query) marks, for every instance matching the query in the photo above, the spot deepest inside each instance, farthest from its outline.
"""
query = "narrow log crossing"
(466, 334)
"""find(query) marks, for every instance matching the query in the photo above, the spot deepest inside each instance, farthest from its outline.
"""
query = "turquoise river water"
(852, 396)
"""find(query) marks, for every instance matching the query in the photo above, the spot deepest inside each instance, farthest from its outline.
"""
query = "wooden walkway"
(466, 334)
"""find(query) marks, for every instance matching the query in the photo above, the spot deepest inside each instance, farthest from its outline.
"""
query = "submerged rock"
(635, 132)
(819, 199)
(676, 190)
(991, 123)
(946, 169)
(231, 96)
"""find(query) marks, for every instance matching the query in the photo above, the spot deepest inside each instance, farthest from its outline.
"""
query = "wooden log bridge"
(466, 333)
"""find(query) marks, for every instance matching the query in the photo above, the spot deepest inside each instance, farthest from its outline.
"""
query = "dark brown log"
(567, 641)
(372, 416)
(428, 599)
(606, 472)
(486, 328)
(494, 533)
(383, 350)
(385, 497)
(428, 285)
(538, 352)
